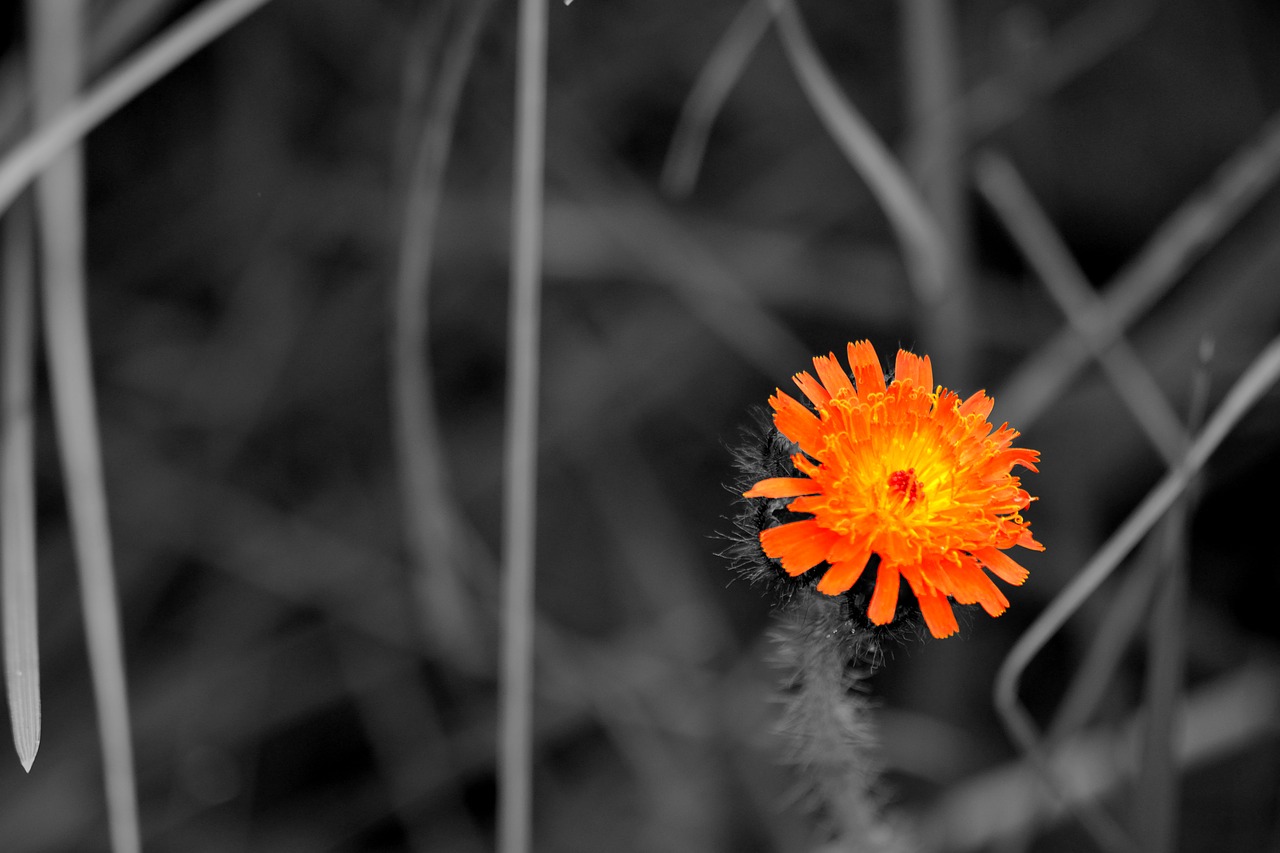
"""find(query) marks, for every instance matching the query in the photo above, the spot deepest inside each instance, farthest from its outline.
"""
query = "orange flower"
(907, 472)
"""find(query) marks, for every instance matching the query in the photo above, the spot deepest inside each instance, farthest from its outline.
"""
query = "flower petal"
(809, 503)
(1001, 463)
(884, 601)
(1002, 565)
(855, 548)
(1026, 540)
(937, 613)
(783, 487)
(978, 403)
(832, 375)
(812, 389)
(797, 423)
(913, 367)
(970, 585)
(1022, 456)
(799, 545)
(865, 365)
(841, 576)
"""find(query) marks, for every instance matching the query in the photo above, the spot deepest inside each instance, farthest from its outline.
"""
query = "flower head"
(904, 471)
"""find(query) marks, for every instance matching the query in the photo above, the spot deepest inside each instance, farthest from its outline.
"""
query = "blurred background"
(307, 551)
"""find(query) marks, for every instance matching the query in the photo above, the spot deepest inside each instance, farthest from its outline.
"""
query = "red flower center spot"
(905, 484)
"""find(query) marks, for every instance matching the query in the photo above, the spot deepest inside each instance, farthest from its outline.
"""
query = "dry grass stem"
(1075, 47)
(1158, 783)
(1185, 236)
(935, 156)
(1261, 375)
(1091, 683)
(1035, 235)
(520, 499)
(723, 68)
(924, 246)
(1000, 805)
(432, 525)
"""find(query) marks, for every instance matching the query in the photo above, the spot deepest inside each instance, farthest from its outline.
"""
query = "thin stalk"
(18, 513)
(57, 56)
(515, 797)
(997, 808)
(926, 254)
(1157, 795)
(1110, 641)
(935, 158)
(1154, 814)
(1261, 375)
(1076, 47)
(1044, 249)
(722, 70)
(432, 533)
(1177, 243)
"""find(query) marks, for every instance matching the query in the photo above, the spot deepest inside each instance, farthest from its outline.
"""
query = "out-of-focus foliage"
(244, 219)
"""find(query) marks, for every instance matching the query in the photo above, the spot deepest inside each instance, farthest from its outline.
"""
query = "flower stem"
(827, 722)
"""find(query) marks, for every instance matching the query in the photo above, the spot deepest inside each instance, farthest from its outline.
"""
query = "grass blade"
(17, 467)
(57, 58)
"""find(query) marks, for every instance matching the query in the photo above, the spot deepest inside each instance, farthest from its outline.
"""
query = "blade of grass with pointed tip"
(57, 58)
(17, 513)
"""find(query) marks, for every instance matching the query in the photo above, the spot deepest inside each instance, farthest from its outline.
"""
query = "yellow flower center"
(898, 467)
